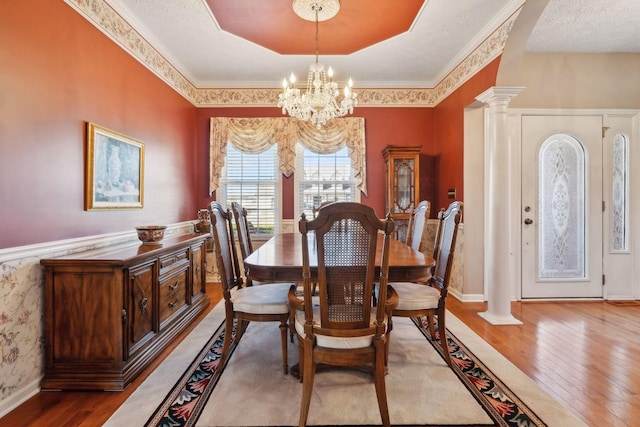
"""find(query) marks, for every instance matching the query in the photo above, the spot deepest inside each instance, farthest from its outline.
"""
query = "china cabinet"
(402, 172)
(109, 312)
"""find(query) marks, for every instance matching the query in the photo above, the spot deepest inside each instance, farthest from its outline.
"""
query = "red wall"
(58, 72)
(383, 126)
(448, 117)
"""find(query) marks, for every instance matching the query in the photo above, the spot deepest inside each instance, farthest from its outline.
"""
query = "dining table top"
(280, 260)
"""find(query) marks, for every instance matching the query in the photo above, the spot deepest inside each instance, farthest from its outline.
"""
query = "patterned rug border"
(184, 403)
(496, 398)
(203, 372)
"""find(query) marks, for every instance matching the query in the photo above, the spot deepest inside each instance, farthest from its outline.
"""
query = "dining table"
(280, 260)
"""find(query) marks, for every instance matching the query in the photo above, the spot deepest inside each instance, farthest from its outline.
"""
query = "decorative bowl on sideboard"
(151, 234)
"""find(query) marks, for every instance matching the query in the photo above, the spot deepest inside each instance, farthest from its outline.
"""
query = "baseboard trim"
(19, 397)
(466, 297)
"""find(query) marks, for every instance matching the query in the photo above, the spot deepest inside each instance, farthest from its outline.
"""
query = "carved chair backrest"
(242, 228)
(448, 221)
(346, 239)
(418, 225)
(223, 242)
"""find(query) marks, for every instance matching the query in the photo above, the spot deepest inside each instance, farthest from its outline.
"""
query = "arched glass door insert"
(561, 208)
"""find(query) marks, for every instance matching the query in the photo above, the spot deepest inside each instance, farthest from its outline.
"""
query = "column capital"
(499, 95)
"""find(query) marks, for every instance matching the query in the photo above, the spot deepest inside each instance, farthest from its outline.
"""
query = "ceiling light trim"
(306, 9)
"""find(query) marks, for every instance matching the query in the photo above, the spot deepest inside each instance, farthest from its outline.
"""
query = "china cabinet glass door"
(402, 173)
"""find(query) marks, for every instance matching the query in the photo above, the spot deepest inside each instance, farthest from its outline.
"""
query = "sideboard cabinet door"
(141, 305)
(198, 269)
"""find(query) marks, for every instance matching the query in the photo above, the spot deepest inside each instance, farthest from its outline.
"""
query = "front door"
(562, 206)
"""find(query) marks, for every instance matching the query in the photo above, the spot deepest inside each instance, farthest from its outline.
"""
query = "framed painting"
(115, 170)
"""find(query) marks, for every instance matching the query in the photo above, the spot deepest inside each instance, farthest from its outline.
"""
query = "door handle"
(528, 221)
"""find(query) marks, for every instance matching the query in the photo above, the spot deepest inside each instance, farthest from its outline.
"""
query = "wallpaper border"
(107, 20)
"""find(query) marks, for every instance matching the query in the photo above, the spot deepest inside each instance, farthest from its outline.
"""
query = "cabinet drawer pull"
(143, 303)
(173, 304)
(174, 286)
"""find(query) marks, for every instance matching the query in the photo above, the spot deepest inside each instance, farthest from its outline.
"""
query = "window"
(323, 178)
(253, 180)
(620, 194)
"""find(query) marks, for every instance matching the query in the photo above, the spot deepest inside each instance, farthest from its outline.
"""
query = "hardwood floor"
(585, 354)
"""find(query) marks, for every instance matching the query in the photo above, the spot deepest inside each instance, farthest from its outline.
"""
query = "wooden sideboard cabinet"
(109, 312)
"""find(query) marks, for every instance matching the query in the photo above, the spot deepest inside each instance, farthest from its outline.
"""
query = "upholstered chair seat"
(416, 296)
(268, 299)
(332, 341)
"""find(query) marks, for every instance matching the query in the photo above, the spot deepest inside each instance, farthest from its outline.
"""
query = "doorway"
(562, 206)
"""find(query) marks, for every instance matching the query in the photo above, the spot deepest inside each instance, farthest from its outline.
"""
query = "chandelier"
(321, 101)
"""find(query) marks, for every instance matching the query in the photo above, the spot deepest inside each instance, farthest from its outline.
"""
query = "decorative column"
(499, 258)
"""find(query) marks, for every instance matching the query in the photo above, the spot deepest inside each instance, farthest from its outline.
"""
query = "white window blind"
(323, 178)
(253, 181)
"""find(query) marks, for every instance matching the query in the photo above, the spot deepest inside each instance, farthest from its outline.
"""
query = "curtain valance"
(255, 135)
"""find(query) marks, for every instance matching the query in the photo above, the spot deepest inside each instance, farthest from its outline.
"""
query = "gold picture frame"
(114, 170)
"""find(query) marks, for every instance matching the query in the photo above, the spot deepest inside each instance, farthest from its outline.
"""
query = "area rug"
(483, 388)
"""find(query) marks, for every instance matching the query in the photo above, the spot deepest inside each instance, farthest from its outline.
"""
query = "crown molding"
(118, 29)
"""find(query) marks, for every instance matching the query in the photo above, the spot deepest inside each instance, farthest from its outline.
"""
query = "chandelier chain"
(317, 36)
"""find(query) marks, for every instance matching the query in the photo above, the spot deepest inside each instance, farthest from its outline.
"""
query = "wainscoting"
(22, 308)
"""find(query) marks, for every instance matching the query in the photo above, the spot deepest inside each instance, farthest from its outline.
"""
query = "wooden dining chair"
(246, 245)
(341, 326)
(234, 273)
(245, 303)
(418, 226)
(244, 234)
(429, 299)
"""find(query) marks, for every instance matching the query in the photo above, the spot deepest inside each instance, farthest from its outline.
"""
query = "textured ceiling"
(223, 45)
(588, 26)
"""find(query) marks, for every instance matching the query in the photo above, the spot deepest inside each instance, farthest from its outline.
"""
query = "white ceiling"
(444, 33)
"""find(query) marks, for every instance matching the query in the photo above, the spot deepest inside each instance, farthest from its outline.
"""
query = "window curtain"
(255, 135)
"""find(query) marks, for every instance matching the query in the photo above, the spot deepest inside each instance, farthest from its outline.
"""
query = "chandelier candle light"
(320, 102)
